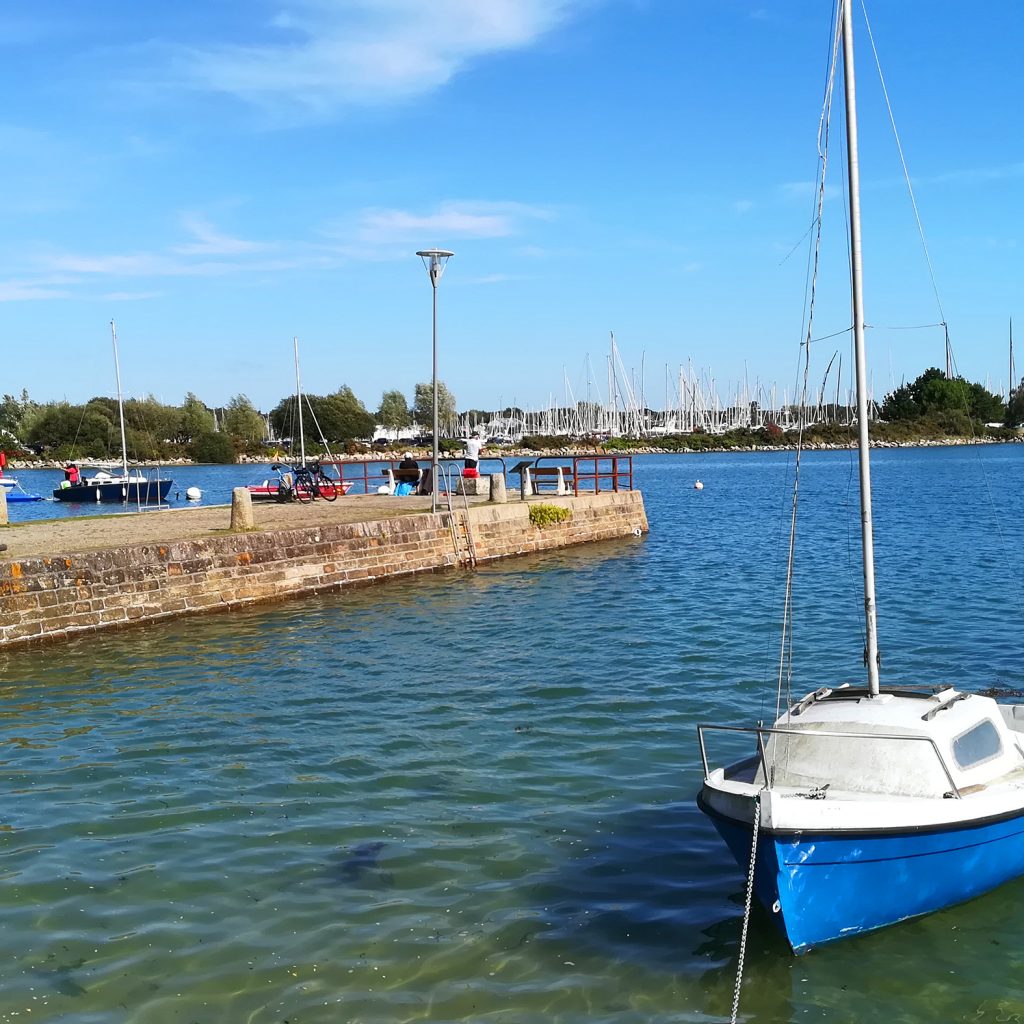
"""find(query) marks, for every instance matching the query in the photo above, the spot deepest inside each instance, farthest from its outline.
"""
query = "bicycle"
(312, 482)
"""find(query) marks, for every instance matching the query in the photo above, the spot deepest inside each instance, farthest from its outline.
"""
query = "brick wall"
(49, 598)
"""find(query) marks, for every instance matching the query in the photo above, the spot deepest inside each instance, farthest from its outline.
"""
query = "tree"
(348, 417)
(933, 394)
(196, 419)
(242, 420)
(1015, 407)
(394, 411)
(212, 447)
(423, 406)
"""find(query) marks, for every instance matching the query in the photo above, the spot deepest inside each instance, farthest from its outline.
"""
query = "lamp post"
(434, 260)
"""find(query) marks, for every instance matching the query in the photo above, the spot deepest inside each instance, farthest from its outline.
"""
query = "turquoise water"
(470, 797)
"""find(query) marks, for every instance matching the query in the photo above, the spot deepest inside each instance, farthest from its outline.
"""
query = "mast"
(1013, 371)
(298, 398)
(863, 443)
(120, 400)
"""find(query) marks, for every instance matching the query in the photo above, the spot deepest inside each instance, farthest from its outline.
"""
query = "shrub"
(542, 515)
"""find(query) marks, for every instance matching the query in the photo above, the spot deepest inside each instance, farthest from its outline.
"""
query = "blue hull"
(831, 886)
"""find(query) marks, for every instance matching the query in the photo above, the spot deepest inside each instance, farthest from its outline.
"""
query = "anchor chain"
(746, 912)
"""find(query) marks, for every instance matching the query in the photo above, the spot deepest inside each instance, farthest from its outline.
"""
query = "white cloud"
(324, 55)
(28, 291)
(450, 220)
(742, 206)
(211, 242)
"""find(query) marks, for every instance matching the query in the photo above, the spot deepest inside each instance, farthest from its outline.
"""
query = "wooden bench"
(559, 476)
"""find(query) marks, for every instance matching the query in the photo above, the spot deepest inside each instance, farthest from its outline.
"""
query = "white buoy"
(698, 486)
(194, 494)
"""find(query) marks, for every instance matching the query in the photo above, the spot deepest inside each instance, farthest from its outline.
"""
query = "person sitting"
(407, 476)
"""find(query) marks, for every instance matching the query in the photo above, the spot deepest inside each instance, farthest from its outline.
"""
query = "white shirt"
(473, 446)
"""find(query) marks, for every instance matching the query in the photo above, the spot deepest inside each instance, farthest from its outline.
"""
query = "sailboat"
(284, 486)
(105, 483)
(863, 806)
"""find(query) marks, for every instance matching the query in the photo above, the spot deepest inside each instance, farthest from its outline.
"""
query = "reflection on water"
(470, 797)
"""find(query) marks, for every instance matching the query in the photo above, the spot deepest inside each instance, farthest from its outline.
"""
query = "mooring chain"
(746, 912)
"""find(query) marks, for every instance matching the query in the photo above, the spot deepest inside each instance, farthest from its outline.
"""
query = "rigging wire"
(785, 672)
(951, 359)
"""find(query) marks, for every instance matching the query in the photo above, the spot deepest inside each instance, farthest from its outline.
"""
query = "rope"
(906, 172)
(746, 912)
(785, 674)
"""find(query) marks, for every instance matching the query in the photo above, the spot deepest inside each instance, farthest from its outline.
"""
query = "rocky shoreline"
(14, 464)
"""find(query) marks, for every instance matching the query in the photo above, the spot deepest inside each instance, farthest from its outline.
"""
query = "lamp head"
(435, 260)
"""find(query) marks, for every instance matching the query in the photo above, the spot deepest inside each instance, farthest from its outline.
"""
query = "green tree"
(77, 429)
(212, 447)
(1015, 407)
(196, 419)
(394, 411)
(423, 406)
(242, 420)
(344, 417)
(933, 394)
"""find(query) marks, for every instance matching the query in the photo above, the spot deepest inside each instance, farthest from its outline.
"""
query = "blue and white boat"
(112, 481)
(863, 806)
(13, 491)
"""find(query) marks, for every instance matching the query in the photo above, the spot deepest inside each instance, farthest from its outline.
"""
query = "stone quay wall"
(44, 599)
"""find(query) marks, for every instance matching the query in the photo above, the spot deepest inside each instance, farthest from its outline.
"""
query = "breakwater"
(52, 596)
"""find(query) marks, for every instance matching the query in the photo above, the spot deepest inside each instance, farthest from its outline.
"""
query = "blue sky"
(221, 176)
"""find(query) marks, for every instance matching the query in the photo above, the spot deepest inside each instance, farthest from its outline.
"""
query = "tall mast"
(863, 442)
(120, 400)
(1013, 371)
(298, 398)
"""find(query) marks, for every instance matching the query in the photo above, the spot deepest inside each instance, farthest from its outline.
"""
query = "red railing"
(584, 474)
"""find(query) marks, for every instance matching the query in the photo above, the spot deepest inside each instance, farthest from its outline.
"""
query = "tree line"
(156, 430)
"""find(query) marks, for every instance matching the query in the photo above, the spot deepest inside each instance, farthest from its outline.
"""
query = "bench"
(561, 477)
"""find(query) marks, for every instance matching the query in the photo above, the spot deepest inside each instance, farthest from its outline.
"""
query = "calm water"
(470, 798)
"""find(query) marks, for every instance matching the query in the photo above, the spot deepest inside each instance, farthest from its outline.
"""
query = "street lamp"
(434, 260)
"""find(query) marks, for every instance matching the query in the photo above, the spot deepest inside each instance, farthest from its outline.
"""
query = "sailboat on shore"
(863, 806)
(130, 486)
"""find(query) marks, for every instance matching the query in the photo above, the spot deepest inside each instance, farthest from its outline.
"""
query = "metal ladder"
(459, 524)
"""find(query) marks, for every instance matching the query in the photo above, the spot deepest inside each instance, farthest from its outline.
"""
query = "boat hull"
(821, 886)
(145, 492)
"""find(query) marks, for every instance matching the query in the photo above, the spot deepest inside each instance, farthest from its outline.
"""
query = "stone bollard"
(498, 493)
(524, 484)
(241, 510)
(3, 507)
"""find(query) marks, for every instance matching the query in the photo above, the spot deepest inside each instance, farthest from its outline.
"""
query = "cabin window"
(981, 743)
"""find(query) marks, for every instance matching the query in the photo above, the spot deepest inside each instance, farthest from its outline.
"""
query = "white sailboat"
(863, 806)
(105, 484)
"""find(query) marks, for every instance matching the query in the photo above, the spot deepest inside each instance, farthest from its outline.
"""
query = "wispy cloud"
(321, 56)
(210, 242)
(455, 219)
(742, 206)
(28, 291)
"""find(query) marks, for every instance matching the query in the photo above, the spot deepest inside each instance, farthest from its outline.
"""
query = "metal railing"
(761, 732)
(589, 473)
(367, 475)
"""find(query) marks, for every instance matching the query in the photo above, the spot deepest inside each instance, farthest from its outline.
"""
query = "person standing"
(474, 446)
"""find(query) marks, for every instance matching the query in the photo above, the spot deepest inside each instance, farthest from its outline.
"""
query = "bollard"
(499, 495)
(241, 510)
(3, 507)
(525, 484)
